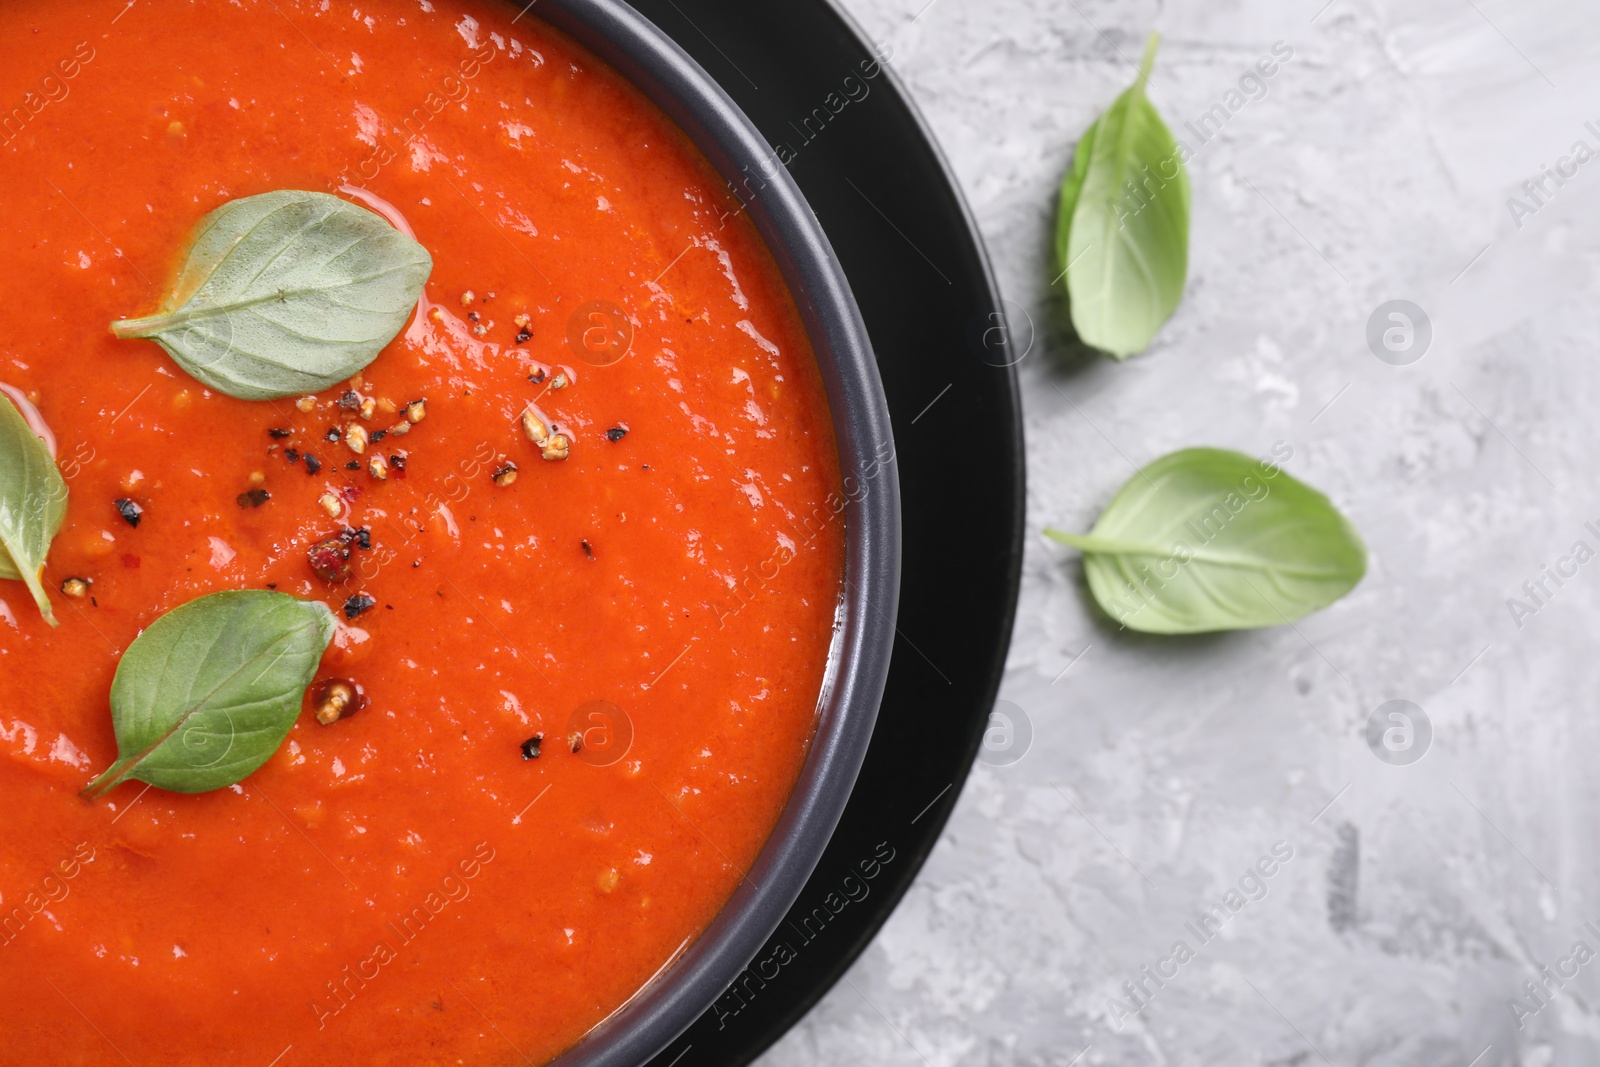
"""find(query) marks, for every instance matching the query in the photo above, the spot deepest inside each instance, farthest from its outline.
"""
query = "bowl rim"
(858, 663)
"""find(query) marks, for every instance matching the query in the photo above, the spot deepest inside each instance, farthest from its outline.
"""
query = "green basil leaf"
(1122, 232)
(286, 293)
(33, 501)
(1071, 189)
(1205, 539)
(208, 692)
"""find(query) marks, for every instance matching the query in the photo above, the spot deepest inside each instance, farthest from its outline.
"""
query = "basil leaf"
(206, 695)
(1071, 189)
(1205, 539)
(33, 501)
(1122, 231)
(286, 293)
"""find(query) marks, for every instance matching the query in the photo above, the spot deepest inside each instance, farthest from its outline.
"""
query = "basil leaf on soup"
(33, 501)
(208, 692)
(1206, 539)
(286, 293)
(1122, 227)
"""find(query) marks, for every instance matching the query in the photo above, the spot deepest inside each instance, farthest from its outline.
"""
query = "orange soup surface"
(590, 682)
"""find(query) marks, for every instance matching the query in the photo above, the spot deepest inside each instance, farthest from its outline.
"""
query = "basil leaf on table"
(1205, 539)
(33, 501)
(286, 293)
(1071, 190)
(208, 692)
(1122, 226)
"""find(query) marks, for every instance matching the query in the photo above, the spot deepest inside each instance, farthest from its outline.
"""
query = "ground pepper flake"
(533, 427)
(616, 433)
(588, 549)
(292, 455)
(279, 434)
(530, 747)
(359, 604)
(130, 511)
(332, 434)
(335, 699)
(254, 498)
(313, 464)
(330, 559)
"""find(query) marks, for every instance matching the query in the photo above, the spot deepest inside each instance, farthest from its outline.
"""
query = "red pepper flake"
(359, 604)
(130, 561)
(130, 511)
(254, 498)
(330, 559)
(349, 491)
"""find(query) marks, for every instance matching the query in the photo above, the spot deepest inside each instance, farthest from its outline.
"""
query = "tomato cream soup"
(583, 656)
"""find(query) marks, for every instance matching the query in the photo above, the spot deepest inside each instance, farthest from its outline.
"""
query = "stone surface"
(1418, 899)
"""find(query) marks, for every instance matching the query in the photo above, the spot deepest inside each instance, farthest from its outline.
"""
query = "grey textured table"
(1417, 899)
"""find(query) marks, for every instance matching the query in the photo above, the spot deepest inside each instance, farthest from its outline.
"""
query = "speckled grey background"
(1418, 898)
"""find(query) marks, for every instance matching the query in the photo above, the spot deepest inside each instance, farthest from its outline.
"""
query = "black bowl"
(864, 634)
